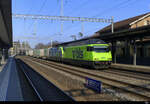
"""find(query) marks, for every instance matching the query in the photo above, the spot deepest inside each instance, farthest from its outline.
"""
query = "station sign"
(93, 84)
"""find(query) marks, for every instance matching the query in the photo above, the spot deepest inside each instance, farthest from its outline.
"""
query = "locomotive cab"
(101, 56)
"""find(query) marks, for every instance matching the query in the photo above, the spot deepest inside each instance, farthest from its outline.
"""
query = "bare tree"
(80, 34)
(53, 43)
(85, 36)
(40, 46)
(73, 37)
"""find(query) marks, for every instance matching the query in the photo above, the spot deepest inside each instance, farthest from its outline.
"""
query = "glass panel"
(101, 49)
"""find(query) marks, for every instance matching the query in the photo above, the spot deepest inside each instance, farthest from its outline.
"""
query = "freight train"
(93, 53)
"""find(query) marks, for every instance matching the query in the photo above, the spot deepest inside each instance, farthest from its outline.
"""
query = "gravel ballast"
(72, 85)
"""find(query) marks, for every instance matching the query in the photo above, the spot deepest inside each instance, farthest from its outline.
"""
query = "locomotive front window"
(89, 48)
(101, 49)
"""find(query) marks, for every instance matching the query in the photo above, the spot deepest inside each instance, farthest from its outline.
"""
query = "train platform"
(9, 82)
(1, 67)
(2, 64)
(138, 68)
(19, 85)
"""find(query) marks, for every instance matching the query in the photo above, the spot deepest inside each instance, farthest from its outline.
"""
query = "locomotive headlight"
(109, 58)
(103, 57)
(96, 59)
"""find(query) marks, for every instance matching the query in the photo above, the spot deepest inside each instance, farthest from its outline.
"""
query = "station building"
(124, 48)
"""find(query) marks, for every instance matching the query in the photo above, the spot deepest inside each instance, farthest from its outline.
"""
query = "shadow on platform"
(145, 61)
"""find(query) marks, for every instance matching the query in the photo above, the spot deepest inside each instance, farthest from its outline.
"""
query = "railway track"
(46, 92)
(140, 92)
(29, 86)
(129, 74)
(137, 69)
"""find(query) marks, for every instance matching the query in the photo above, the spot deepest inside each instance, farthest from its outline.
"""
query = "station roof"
(65, 43)
(135, 33)
(121, 25)
(5, 24)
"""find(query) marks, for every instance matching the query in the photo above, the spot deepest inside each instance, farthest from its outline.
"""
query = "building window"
(148, 51)
(136, 25)
(145, 23)
(148, 22)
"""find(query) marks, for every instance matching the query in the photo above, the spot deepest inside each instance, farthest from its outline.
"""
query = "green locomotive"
(93, 53)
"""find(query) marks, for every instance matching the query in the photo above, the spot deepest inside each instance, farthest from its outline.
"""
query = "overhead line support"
(62, 18)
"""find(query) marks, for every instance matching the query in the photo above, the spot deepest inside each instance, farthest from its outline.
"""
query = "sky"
(43, 31)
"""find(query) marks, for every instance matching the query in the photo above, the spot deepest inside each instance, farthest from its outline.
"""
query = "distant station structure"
(19, 48)
(5, 28)
(130, 40)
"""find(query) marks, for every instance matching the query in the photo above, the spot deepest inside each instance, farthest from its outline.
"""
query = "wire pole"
(24, 26)
(62, 14)
(62, 18)
(35, 28)
(82, 28)
(112, 24)
(51, 43)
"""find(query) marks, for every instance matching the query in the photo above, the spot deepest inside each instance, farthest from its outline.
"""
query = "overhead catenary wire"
(69, 26)
(112, 8)
(70, 12)
(106, 11)
(57, 7)
(78, 7)
(42, 6)
(115, 5)
(132, 2)
(28, 12)
(81, 6)
(30, 9)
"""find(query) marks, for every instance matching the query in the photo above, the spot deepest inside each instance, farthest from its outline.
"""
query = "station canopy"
(5, 24)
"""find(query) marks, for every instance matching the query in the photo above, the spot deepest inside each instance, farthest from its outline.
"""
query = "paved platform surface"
(14, 85)
(9, 82)
(1, 66)
(131, 67)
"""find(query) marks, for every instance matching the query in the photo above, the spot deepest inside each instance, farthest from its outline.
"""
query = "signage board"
(93, 84)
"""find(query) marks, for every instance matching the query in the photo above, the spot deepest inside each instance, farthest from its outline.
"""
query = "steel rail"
(103, 79)
(29, 80)
(35, 88)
